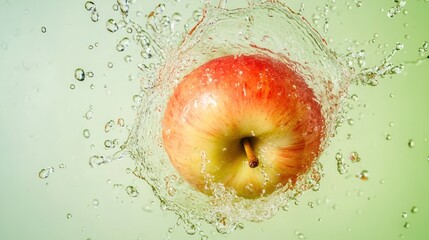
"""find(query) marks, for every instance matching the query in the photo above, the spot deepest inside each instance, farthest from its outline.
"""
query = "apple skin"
(237, 97)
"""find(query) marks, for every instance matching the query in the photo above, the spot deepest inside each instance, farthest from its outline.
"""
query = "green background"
(42, 123)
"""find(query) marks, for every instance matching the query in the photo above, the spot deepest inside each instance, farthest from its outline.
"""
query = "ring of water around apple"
(269, 29)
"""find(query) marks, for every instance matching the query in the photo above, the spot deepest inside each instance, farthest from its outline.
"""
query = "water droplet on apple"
(414, 209)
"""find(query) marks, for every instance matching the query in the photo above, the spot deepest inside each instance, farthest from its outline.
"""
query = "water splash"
(168, 53)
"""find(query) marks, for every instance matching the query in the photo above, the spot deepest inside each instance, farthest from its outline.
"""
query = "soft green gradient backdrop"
(42, 123)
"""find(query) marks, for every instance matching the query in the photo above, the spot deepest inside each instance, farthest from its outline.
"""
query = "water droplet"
(120, 122)
(95, 16)
(128, 58)
(108, 126)
(95, 202)
(109, 64)
(123, 44)
(363, 175)
(90, 47)
(44, 173)
(359, 4)
(131, 191)
(69, 216)
(43, 29)
(338, 156)
(414, 209)
(407, 225)
(92, 86)
(79, 74)
(90, 74)
(86, 133)
(399, 46)
(108, 144)
(388, 137)
(404, 215)
(90, 6)
(89, 114)
(112, 26)
(354, 157)
(342, 167)
(411, 143)
(72, 86)
(354, 97)
(137, 99)
(95, 161)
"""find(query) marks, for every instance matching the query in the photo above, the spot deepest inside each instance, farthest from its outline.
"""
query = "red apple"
(247, 121)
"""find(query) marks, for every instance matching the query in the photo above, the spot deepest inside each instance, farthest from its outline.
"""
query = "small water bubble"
(112, 26)
(388, 137)
(359, 4)
(69, 216)
(109, 64)
(90, 47)
(43, 29)
(414, 209)
(89, 114)
(404, 215)
(92, 86)
(411, 143)
(72, 86)
(86, 133)
(90, 74)
(62, 166)
(120, 48)
(399, 46)
(137, 99)
(95, 161)
(95, 202)
(131, 191)
(95, 16)
(128, 58)
(79, 74)
(407, 225)
(354, 97)
(338, 156)
(108, 144)
(44, 173)
(108, 126)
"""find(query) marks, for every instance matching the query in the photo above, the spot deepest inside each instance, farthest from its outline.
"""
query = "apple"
(247, 121)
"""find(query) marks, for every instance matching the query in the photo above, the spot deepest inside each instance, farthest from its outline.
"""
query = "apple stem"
(253, 161)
